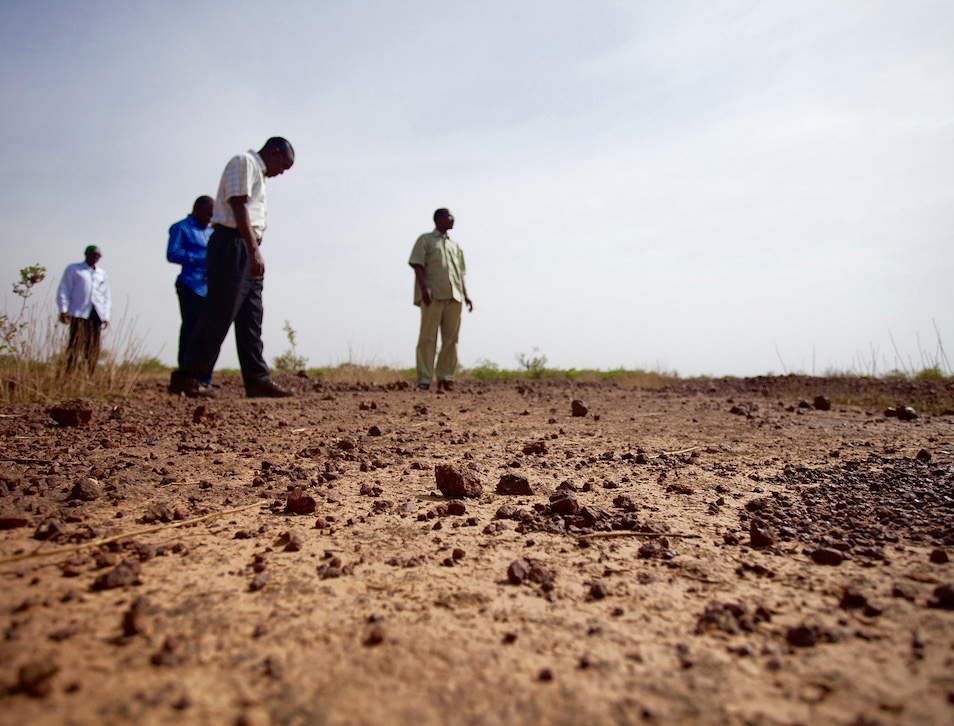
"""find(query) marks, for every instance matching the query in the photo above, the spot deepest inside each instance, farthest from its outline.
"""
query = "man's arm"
(176, 249)
(422, 284)
(244, 227)
(63, 296)
(108, 302)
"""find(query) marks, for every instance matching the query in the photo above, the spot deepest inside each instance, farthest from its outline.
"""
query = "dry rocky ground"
(710, 552)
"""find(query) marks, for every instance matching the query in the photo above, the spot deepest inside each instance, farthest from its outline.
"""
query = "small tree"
(535, 365)
(290, 361)
(12, 340)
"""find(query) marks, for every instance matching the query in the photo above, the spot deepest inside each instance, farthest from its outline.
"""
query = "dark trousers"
(234, 297)
(190, 306)
(84, 342)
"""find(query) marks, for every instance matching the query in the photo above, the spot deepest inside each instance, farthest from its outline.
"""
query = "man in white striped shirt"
(235, 272)
(84, 303)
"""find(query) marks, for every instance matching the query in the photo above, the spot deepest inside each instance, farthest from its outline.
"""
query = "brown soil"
(772, 564)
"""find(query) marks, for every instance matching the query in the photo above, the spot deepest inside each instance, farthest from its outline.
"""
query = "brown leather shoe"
(269, 389)
(190, 387)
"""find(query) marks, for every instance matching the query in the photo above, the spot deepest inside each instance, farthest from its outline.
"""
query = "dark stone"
(11, 520)
(75, 412)
(942, 598)
(514, 484)
(906, 413)
(126, 573)
(258, 582)
(924, 455)
(34, 678)
(299, 502)
(851, 599)
(826, 556)
(375, 636)
(598, 591)
(518, 571)
(564, 502)
(821, 403)
(134, 619)
(86, 490)
(802, 636)
(457, 482)
(579, 408)
(761, 534)
(939, 557)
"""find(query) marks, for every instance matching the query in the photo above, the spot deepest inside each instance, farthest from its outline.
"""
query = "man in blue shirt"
(188, 240)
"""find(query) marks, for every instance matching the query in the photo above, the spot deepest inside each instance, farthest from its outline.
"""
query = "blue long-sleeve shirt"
(187, 247)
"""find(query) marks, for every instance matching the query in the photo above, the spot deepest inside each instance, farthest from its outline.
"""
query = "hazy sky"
(700, 186)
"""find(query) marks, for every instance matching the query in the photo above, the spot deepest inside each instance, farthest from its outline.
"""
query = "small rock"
(924, 455)
(802, 636)
(375, 635)
(518, 571)
(258, 582)
(514, 484)
(939, 557)
(300, 502)
(457, 482)
(86, 490)
(761, 534)
(579, 408)
(826, 556)
(942, 598)
(202, 413)
(293, 540)
(126, 573)
(134, 619)
(906, 413)
(35, 677)
(75, 412)
(821, 403)
(564, 502)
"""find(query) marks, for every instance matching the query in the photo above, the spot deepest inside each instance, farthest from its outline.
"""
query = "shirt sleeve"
(63, 291)
(419, 253)
(238, 177)
(107, 297)
(176, 250)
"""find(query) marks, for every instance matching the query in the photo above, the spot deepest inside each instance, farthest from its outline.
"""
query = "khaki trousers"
(443, 315)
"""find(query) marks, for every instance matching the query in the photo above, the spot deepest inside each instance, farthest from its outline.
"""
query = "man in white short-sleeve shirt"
(235, 273)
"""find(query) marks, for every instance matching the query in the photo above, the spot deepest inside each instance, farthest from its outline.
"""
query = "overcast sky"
(724, 188)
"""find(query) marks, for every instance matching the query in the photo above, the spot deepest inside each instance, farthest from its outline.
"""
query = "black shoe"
(190, 387)
(424, 386)
(445, 385)
(269, 389)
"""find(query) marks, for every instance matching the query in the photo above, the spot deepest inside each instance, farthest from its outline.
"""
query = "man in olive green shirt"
(439, 289)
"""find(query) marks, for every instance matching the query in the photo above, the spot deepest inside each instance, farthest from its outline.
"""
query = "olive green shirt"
(443, 263)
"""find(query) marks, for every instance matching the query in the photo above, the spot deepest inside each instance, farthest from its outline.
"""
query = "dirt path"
(778, 564)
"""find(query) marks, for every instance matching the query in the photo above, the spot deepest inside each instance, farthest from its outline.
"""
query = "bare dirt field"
(711, 552)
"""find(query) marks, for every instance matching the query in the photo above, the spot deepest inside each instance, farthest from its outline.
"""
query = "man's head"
(92, 255)
(443, 220)
(202, 210)
(278, 156)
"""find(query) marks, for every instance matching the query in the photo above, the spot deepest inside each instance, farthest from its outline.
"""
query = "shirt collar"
(442, 235)
(258, 160)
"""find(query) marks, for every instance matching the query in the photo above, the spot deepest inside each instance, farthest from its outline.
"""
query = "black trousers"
(234, 297)
(190, 306)
(84, 342)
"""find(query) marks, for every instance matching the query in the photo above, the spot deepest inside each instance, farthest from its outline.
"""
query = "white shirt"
(82, 289)
(244, 176)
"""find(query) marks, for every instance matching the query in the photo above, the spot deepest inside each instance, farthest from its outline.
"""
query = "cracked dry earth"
(703, 553)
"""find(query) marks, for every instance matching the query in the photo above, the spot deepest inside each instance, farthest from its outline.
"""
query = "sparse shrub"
(13, 331)
(534, 364)
(290, 361)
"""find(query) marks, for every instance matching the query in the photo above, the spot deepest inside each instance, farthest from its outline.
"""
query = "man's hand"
(426, 297)
(105, 324)
(256, 263)
(65, 318)
(470, 305)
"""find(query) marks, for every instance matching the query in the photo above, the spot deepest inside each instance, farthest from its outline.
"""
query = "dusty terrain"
(799, 577)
